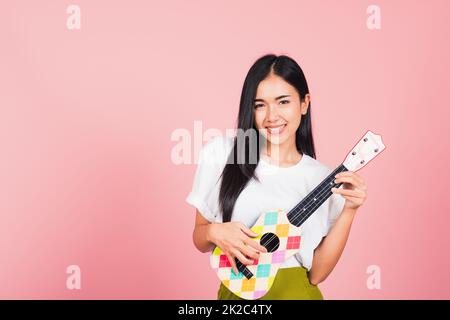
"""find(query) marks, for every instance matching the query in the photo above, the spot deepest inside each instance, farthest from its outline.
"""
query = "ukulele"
(281, 233)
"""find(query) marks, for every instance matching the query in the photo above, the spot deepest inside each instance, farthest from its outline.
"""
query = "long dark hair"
(236, 175)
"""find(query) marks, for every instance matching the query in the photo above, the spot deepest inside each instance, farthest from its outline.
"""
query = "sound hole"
(270, 241)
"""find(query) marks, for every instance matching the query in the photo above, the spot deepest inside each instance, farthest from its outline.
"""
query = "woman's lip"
(277, 131)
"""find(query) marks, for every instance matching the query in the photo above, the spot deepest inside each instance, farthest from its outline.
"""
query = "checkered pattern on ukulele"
(264, 270)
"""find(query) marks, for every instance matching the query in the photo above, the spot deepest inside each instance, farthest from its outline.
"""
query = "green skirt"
(289, 284)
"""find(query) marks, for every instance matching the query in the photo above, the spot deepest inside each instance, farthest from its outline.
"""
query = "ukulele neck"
(305, 208)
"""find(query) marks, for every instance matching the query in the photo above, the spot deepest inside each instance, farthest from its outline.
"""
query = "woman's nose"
(272, 112)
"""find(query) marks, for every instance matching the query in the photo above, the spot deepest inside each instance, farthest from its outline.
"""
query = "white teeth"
(276, 130)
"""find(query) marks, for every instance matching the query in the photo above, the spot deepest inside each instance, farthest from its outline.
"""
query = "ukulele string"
(323, 193)
(297, 215)
(275, 236)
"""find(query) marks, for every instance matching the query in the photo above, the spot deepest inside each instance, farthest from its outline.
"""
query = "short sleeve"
(335, 206)
(204, 192)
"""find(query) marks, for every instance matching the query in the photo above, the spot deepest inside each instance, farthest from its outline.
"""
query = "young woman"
(230, 195)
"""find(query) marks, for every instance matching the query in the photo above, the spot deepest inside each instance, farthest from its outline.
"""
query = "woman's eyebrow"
(277, 98)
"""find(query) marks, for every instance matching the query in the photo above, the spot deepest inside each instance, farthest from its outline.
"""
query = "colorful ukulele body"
(280, 232)
(273, 228)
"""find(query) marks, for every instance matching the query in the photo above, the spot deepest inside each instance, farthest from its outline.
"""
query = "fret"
(242, 268)
(305, 208)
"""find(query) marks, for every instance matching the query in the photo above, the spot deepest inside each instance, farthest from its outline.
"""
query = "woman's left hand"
(354, 189)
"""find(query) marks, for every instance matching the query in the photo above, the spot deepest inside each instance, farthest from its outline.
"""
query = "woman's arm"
(200, 235)
(233, 238)
(329, 251)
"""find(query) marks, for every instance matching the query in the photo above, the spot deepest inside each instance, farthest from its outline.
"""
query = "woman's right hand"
(234, 239)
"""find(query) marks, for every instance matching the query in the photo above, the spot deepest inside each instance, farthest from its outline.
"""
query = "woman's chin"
(275, 139)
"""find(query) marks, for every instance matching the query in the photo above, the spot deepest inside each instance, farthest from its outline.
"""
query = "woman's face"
(278, 110)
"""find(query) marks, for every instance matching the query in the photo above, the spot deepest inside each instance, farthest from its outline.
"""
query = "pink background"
(86, 117)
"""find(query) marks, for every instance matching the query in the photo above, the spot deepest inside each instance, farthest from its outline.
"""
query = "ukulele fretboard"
(305, 208)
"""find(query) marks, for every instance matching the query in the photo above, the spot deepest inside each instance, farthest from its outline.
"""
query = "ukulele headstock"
(365, 150)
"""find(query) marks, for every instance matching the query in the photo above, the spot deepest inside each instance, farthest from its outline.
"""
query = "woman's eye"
(259, 105)
(284, 101)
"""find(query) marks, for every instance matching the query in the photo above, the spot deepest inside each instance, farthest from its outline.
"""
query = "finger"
(350, 180)
(255, 245)
(248, 232)
(355, 200)
(249, 252)
(252, 234)
(349, 192)
(241, 257)
(350, 174)
(233, 264)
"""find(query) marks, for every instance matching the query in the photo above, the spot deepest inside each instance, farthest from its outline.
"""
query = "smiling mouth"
(276, 130)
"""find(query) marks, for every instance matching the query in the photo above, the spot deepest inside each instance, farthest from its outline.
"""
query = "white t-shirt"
(279, 188)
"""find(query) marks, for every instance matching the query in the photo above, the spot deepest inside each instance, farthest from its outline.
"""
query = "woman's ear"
(305, 104)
